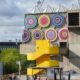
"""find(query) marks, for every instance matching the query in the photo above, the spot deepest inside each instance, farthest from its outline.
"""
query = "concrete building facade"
(71, 61)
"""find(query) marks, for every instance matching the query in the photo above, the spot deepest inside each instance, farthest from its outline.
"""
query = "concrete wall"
(27, 48)
(73, 62)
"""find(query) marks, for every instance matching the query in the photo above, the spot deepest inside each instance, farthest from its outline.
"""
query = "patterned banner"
(63, 34)
(37, 34)
(58, 20)
(44, 21)
(26, 36)
(51, 34)
(30, 21)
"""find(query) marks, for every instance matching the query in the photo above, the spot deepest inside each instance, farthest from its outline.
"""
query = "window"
(73, 19)
(63, 44)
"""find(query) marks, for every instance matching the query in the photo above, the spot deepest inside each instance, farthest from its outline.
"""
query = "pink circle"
(30, 21)
(63, 34)
(57, 20)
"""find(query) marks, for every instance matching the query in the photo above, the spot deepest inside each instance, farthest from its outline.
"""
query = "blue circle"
(58, 20)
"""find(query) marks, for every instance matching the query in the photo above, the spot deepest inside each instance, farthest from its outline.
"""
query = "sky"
(12, 16)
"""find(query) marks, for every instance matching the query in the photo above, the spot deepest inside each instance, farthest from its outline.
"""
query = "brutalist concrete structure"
(72, 60)
(69, 50)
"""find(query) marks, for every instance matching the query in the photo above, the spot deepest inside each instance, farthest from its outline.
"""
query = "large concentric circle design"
(37, 34)
(26, 36)
(44, 21)
(58, 20)
(30, 21)
(63, 34)
(51, 34)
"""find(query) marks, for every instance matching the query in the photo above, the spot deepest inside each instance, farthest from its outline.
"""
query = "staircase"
(42, 56)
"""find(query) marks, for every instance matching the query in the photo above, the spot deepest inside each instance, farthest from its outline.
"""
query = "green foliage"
(10, 56)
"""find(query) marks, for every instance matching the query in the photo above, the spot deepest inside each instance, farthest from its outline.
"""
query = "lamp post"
(19, 63)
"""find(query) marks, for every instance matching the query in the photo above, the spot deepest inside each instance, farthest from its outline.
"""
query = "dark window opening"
(73, 19)
(63, 44)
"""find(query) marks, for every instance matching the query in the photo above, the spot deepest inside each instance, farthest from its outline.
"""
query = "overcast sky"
(12, 16)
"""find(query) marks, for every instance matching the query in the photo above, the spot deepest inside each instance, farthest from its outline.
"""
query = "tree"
(10, 56)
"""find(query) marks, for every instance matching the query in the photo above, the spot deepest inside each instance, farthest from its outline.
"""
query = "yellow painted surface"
(42, 59)
(43, 43)
(43, 46)
(45, 61)
(31, 71)
(49, 63)
(42, 56)
(30, 56)
(49, 51)
(54, 63)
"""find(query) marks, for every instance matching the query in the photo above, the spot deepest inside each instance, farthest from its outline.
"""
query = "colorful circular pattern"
(58, 20)
(37, 34)
(63, 34)
(44, 21)
(30, 21)
(26, 36)
(51, 34)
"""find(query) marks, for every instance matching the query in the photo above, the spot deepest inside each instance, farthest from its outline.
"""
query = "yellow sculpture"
(42, 56)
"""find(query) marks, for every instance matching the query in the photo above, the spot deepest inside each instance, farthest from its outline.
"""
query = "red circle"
(44, 21)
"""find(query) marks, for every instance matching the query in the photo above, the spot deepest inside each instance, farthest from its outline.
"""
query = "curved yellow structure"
(42, 56)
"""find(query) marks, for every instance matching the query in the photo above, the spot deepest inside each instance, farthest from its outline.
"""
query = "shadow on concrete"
(75, 30)
(73, 58)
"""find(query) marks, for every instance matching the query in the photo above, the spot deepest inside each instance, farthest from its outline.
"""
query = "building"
(70, 61)
(5, 45)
